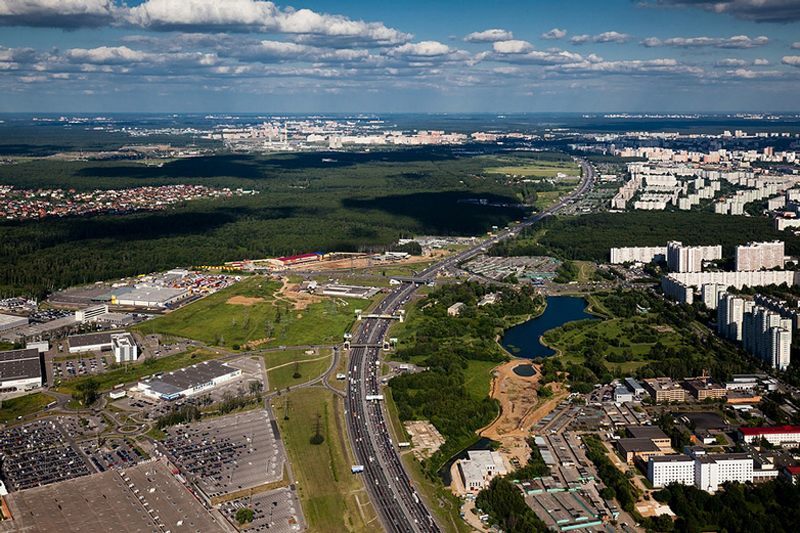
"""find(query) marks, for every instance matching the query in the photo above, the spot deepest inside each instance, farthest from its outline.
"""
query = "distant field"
(283, 377)
(268, 321)
(333, 499)
(23, 405)
(540, 169)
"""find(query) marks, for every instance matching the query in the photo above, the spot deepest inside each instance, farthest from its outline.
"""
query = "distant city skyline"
(413, 56)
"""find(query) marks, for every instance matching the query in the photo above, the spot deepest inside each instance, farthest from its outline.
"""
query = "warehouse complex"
(120, 343)
(11, 322)
(20, 370)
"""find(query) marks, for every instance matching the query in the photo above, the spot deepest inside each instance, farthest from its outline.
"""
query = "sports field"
(538, 169)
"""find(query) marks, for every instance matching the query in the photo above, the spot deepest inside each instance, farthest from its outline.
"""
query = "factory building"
(20, 370)
(682, 258)
(760, 256)
(777, 435)
(91, 313)
(11, 321)
(479, 468)
(189, 381)
(148, 296)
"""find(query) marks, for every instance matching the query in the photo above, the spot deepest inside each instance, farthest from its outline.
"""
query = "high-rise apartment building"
(760, 256)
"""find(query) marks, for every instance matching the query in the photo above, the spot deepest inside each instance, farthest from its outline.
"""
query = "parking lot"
(229, 453)
(114, 453)
(499, 268)
(80, 365)
(36, 454)
(145, 498)
(277, 510)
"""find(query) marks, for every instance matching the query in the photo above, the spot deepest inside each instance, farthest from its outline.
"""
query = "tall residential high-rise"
(682, 258)
(760, 255)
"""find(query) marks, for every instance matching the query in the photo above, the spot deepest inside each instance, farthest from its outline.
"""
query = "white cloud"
(512, 47)
(107, 55)
(256, 15)
(605, 37)
(756, 10)
(555, 33)
(422, 49)
(737, 41)
(760, 61)
(634, 66)
(793, 61)
(796, 45)
(731, 62)
(56, 13)
(489, 36)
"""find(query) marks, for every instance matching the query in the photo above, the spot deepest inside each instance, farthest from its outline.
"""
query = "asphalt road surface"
(391, 491)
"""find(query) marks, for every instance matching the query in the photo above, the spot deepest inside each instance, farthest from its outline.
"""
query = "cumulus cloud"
(634, 66)
(57, 13)
(605, 37)
(512, 47)
(760, 61)
(756, 10)
(422, 49)
(796, 45)
(255, 15)
(737, 41)
(793, 61)
(489, 36)
(731, 62)
(107, 55)
(551, 56)
(555, 33)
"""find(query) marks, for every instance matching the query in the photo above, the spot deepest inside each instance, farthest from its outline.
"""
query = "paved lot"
(145, 498)
(229, 453)
(277, 510)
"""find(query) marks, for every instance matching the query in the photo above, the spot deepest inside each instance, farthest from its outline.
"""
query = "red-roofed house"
(776, 435)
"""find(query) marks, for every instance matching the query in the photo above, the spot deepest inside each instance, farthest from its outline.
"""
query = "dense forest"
(772, 507)
(589, 237)
(445, 345)
(306, 202)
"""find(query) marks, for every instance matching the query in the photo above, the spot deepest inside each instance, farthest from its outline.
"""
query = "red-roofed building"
(792, 473)
(301, 258)
(776, 435)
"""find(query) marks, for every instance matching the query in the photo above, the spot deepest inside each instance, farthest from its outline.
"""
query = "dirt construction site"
(520, 409)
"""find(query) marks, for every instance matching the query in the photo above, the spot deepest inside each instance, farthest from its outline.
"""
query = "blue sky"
(409, 56)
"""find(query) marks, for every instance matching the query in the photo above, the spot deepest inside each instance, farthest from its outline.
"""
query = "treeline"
(444, 345)
(615, 480)
(506, 507)
(356, 203)
(772, 507)
(590, 237)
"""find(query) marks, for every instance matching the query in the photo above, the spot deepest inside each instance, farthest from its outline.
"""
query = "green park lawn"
(218, 320)
(282, 376)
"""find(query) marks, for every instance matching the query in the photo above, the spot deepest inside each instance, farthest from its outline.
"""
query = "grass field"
(479, 378)
(217, 320)
(134, 372)
(539, 169)
(333, 499)
(283, 376)
(23, 405)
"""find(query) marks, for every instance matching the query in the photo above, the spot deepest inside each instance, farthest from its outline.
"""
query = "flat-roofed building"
(91, 342)
(635, 387)
(189, 381)
(11, 321)
(712, 470)
(760, 256)
(704, 388)
(776, 435)
(91, 313)
(663, 389)
(643, 448)
(20, 370)
(666, 469)
(148, 296)
(479, 468)
(124, 348)
(654, 433)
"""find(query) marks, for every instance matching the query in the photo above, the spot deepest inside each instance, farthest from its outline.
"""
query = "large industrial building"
(11, 322)
(120, 343)
(479, 468)
(760, 256)
(148, 296)
(189, 381)
(20, 370)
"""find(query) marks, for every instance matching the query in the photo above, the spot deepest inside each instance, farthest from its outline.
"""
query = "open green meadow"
(333, 498)
(539, 169)
(23, 405)
(282, 377)
(251, 313)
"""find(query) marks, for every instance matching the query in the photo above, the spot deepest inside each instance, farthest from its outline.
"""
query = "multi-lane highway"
(392, 494)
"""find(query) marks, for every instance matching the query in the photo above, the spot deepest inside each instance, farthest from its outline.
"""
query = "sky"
(440, 56)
